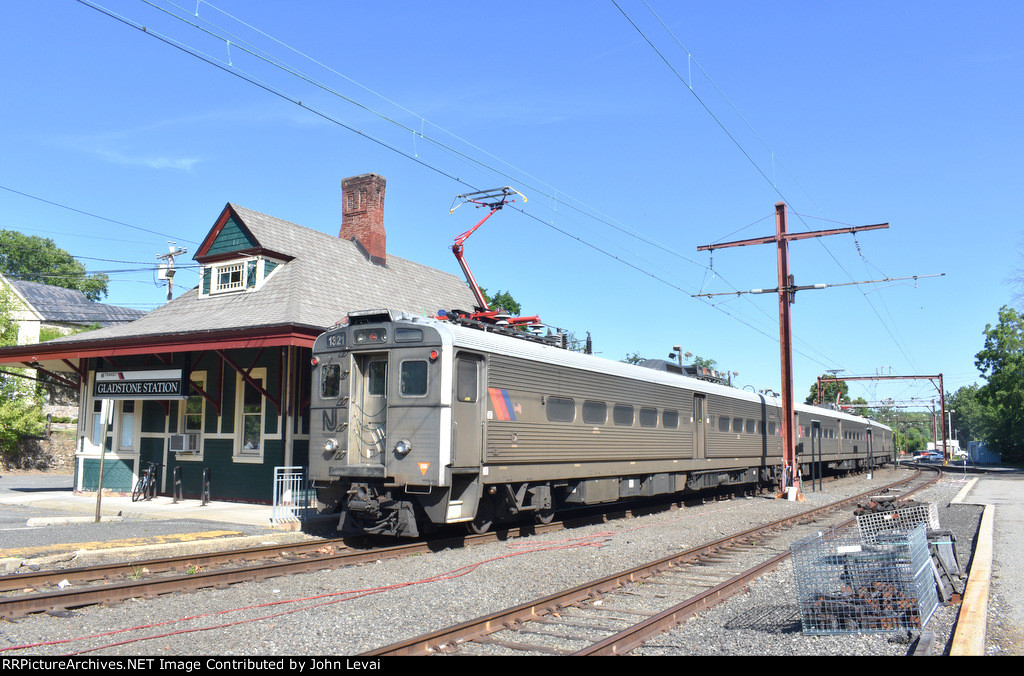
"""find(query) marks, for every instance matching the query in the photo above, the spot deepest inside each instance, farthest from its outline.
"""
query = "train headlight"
(331, 445)
(403, 447)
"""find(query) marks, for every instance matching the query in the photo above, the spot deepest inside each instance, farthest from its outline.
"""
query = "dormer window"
(228, 278)
(236, 275)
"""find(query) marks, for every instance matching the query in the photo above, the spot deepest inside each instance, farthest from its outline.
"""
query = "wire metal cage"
(846, 585)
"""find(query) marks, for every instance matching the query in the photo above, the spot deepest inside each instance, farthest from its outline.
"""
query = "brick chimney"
(362, 215)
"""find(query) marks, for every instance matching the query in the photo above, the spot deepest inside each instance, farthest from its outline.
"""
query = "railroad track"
(617, 613)
(67, 588)
(48, 591)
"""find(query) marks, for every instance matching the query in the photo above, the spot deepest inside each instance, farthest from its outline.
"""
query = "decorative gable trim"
(228, 217)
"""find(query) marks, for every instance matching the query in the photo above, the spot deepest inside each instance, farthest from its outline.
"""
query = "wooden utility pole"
(787, 291)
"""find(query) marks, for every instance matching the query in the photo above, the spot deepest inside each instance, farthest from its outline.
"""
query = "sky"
(638, 131)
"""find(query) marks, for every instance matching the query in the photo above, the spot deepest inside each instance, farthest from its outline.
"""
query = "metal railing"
(294, 500)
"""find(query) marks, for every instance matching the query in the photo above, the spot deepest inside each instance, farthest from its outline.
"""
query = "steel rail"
(113, 592)
(628, 639)
(448, 639)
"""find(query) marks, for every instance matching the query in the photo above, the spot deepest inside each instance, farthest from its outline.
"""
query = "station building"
(216, 383)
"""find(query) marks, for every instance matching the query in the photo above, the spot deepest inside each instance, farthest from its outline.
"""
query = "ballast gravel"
(355, 609)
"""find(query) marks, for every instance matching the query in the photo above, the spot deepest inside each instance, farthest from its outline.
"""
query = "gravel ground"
(348, 611)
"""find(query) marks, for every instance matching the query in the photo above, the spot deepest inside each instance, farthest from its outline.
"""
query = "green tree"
(504, 301)
(20, 405)
(634, 358)
(37, 259)
(970, 417)
(830, 392)
(1001, 363)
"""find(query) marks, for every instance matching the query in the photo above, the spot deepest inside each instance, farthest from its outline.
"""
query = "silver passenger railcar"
(417, 422)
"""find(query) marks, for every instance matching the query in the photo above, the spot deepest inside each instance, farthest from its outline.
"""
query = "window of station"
(560, 409)
(670, 419)
(622, 415)
(648, 417)
(595, 412)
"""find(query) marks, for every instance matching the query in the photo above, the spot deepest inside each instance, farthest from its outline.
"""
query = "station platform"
(84, 507)
(46, 522)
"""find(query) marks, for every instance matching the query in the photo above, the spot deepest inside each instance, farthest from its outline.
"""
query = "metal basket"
(846, 585)
(901, 518)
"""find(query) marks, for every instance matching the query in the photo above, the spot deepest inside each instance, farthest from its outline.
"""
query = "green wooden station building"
(216, 383)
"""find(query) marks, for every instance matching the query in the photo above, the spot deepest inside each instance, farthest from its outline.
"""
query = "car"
(928, 455)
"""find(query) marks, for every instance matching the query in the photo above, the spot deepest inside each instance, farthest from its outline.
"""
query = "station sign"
(155, 384)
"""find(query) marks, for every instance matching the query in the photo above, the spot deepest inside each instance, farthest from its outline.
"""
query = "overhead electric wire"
(770, 182)
(231, 69)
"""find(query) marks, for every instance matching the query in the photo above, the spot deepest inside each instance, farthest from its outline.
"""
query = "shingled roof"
(324, 277)
(57, 305)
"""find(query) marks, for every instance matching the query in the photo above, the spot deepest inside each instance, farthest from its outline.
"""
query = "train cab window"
(330, 381)
(560, 409)
(622, 414)
(466, 380)
(751, 426)
(408, 335)
(377, 378)
(737, 425)
(413, 378)
(648, 417)
(723, 423)
(595, 412)
(670, 419)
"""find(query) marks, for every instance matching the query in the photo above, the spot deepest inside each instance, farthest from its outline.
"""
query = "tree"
(504, 301)
(20, 406)
(970, 418)
(830, 392)
(37, 259)
(1001, 363)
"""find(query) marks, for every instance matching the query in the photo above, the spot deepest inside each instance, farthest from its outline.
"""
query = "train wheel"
(545, 516)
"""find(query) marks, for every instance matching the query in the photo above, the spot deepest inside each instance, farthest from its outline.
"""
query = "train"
(421, 422)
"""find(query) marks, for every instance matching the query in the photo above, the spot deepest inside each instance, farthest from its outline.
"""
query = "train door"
(370, 407)
(700, 426)
(467, 411)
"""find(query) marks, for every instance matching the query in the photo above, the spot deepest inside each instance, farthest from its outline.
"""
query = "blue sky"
(638, 131)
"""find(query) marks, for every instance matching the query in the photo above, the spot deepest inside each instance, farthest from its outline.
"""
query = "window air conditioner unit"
(185, 444)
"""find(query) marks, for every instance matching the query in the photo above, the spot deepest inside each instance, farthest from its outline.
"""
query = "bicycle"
(145, 487)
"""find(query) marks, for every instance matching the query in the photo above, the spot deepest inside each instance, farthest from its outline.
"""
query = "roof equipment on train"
(494, 200)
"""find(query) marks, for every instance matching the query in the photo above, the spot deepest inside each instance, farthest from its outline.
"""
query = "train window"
(670, 419)
(771, 428)
(622, 415)
(330, 381)
(648, 417)
(595, 412)
(751, 426)
(413, 378)
(465, 379)
(408, 335)
(723, 423)
(737, 425)
(760, 427)
(377, 379)
(560, 409)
